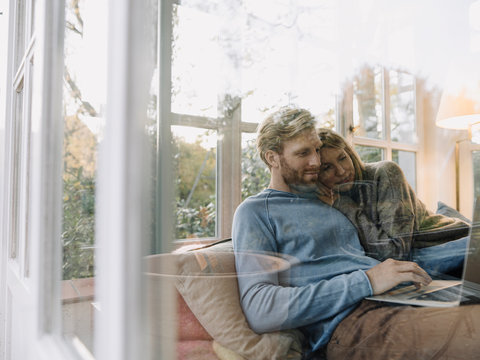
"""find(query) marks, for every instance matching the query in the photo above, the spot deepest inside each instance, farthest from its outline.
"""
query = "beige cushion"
(207, 281)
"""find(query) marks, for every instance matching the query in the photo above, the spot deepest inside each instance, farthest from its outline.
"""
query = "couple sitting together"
(355, 230)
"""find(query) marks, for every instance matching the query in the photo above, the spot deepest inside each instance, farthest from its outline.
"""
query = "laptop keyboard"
(449, 294)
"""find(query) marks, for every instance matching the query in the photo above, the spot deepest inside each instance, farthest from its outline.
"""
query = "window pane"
(282, 60)
(17, 129)
(195, 61)
(32, 16)
(475, 129)
(84, 100)
(255, 174)
(476, 173)
(219, 49)
(402, 107)
(20, 32)
(407, 161)
(368, 103)
(195, 161)
(369, 153)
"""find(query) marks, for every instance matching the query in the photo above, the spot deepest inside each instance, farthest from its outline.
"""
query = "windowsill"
(78, 290)
(194, 242)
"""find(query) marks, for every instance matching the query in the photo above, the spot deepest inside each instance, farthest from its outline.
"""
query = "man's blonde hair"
(282, 125)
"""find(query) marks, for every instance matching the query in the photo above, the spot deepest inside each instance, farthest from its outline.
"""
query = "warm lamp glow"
(460, 106)
(460, 102)
(459, 110)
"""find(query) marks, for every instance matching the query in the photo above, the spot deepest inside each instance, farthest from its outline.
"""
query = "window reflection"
(407, 161)
(84, 102)
(195, 181)
(368, 103)
(255, 174)
(476, 173)
(402, 107)
(369, 153)
(248, 59)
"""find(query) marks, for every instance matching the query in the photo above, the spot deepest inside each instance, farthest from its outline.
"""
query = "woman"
(378, 200)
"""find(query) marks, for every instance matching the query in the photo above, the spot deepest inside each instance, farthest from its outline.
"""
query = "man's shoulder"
(252, 201)
(262, 200)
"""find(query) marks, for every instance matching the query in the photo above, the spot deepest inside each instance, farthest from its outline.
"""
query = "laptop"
(445, 293)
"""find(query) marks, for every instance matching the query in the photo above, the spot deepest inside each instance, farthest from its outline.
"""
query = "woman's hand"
(325, 194)
(390, 273)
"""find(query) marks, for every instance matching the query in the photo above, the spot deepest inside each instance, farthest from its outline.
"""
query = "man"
(324, 290)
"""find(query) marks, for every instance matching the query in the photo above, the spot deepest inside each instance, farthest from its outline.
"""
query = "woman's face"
(337, 171)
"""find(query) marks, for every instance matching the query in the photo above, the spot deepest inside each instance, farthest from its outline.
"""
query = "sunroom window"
(384, 118)
(224, 84)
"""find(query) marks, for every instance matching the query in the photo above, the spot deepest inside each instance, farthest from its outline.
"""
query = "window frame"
(386, 143)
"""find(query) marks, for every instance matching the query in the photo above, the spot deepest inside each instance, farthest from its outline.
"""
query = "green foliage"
(196, 218)
(195, 222)
(192, 158)
(78, 225)
(255, 174)
(195, 189)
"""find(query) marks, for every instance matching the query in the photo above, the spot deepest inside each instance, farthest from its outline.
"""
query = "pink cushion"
(195, 350)
(189, 328)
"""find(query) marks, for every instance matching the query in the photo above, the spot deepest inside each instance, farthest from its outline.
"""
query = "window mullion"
(229, 169)
(386, 114)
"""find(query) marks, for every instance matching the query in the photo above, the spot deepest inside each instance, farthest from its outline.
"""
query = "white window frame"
(121, 194)
(228, 127)
(123, 190)
(386, 143)
(31, 275)
(47, 129)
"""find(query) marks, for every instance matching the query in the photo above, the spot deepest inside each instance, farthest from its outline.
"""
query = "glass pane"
(368, 103)
(195, 61)
(402, 107)
(84, 101)
(255, 174)
(476, 173)
(369, 153)
(219, 50)
(20, 25)
(17, 128)
(32, 17)
(407, 161)
(269, 54)
(475, 129)
(26, 169)
(195, 152)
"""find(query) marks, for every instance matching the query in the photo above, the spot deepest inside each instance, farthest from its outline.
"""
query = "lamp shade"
(459, 111)
(460, 102)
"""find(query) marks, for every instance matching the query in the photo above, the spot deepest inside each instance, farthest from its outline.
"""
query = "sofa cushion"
(446, 210)
(196, 350)
(189, 327)
(208, 283)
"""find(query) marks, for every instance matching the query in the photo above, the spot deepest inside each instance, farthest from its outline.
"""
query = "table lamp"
(460, 110)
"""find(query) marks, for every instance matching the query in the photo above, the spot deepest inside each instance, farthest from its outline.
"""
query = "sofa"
(209, 322)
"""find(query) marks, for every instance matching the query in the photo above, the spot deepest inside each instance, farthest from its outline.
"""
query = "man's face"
(337, 171)
(300, 159)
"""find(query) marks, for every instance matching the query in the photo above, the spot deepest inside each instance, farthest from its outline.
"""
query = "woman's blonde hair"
(281, 126)
(330, 139)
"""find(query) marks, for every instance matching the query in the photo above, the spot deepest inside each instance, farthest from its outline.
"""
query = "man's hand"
(390, 273)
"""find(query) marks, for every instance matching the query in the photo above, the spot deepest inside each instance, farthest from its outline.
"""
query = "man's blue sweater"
(327, 280)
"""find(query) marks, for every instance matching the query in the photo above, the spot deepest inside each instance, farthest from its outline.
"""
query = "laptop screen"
(471, 271)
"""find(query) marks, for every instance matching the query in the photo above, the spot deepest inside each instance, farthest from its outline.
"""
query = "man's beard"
(294, 179)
